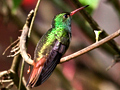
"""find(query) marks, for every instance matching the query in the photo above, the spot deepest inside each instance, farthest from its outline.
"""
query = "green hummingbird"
(51, 47)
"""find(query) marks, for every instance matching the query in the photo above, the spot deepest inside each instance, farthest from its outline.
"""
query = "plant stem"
(35, 12)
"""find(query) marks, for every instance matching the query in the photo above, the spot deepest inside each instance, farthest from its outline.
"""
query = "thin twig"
(10, 46)
(91, 47)
(24, 82)
(16, 53)
(21, 74)
(114, 61)
(15, 49)
(9, 86)
(35, 12)
(3, 73)
(4, 81)
(108, 68)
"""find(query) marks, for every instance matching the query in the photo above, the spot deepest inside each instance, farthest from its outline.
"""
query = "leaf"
(16, 4)
(92, 5)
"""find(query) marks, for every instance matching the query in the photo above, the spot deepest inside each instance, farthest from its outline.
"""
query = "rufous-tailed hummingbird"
(51, 47)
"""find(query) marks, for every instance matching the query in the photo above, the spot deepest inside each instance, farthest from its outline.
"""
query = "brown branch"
(23, 39)
(91, 47)
(95, 26)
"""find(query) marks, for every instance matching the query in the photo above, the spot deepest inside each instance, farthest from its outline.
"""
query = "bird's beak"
(73, 12)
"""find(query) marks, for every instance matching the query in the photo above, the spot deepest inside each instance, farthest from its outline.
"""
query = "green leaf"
(16, 4)
(92, 5)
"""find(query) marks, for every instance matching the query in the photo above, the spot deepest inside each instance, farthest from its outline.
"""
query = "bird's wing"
(39, 75)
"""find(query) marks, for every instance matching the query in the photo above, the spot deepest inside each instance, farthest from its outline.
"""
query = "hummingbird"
(51, 47)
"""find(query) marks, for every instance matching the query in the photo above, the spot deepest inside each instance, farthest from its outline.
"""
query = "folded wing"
(39, 75)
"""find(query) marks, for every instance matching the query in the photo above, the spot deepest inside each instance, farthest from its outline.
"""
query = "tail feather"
(48, 67)
(34, 76)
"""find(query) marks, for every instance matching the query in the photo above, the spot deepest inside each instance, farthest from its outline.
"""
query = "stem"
(35, 12)
(21, 74)
(14, 72)
(15, 64)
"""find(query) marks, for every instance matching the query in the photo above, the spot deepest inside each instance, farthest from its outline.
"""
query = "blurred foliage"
(93, 4)
(16, 4)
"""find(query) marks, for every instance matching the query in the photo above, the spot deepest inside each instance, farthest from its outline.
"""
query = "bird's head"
(63, 20)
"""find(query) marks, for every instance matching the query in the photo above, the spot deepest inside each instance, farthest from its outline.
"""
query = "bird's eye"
(66, 16)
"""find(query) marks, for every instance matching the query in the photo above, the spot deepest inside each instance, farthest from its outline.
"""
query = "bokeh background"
(86, 72)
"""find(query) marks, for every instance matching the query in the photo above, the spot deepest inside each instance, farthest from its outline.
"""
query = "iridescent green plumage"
(51, 48)
(61, 31)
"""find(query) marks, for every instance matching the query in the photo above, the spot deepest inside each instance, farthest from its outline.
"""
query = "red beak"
(75, 11)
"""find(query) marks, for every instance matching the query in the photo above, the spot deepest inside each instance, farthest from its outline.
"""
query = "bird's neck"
(62, 27)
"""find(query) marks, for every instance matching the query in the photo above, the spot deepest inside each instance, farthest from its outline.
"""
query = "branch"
(20, 46)
(12, 73)
(26, 33)
(95, 26)
(9, 86)
(15, 78)
(21, 74)
(4, 81)
(91, 47)
(11, 46)
(3, 73)
(35, 12)
(23, 38)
